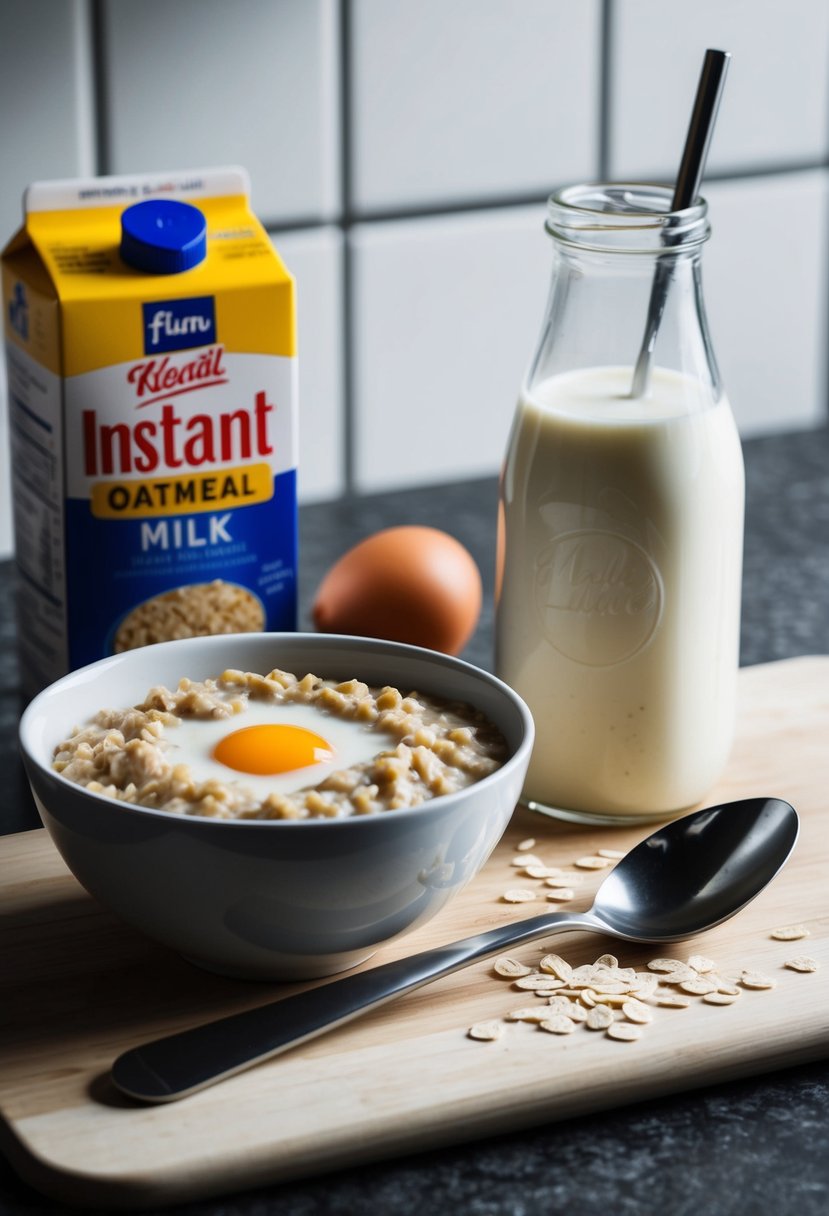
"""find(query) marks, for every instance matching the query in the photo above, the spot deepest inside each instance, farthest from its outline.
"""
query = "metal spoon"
(687, 877)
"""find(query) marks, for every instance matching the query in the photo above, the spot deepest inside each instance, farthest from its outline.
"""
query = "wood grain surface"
(77, 987)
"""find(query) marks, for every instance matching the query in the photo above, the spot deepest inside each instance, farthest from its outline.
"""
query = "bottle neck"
(621, 218)
(598, 307)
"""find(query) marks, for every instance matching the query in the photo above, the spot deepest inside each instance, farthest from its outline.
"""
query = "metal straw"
(697, 142)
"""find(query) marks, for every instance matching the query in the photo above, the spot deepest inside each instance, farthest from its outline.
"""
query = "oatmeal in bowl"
(275, 746)
(161, 794)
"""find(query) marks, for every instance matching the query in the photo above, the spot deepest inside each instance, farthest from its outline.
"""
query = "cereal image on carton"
(196, 610)
(150, 338)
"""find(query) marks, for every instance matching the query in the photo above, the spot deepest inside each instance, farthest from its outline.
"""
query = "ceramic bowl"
(273, 899)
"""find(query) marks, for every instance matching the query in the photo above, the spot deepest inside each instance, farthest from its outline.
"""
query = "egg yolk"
(272, 748)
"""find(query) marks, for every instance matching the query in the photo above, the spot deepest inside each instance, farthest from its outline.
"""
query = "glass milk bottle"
(621, 522)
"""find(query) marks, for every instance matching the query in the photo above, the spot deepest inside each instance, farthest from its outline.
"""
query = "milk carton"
(150, 340)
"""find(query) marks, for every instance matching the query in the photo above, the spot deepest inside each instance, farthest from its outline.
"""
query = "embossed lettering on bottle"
(598, 595)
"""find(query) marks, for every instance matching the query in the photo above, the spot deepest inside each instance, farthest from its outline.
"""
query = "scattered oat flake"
(592, 863)
(611, 998)
(537, 983)
(555, 965)
(510, 967)
(485, 1031)
(719, 998)
(625, 1031)
(613, 854)
(526, 860)
(584, 975)
(599, 1018)
(756, 979)
(609, 989)
(518, 895)
(626, 975)
(562, 895)
(699, 986)
(727, 988)
(561, 1004)
(802, 963)
(542, 871)
(562, 880)
(606, 960)
(673, 1001)
(527, 1015)
(665, 964)
(635, 1011)
(525, 845)
(559, 1023)
(790, 933)
(701, 964)
(679, 974)
(644, 986)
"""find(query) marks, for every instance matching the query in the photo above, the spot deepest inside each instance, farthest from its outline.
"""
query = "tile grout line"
(347, 329)
(86, 124)
(100, 91)
(345, 222)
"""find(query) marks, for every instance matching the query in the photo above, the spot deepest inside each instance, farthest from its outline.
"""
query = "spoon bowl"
(696, 872)
(683, 879)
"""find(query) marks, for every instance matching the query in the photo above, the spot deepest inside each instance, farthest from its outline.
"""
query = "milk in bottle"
(620, 529)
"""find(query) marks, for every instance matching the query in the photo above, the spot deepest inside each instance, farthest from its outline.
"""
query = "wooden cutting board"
(77, 987)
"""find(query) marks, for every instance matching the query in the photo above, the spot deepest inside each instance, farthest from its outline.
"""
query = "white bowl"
(273, 899)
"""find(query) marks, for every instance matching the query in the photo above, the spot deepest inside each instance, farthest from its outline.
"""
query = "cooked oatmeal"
(129, 754)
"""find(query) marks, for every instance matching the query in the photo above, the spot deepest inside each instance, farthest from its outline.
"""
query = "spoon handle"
(181, 1064)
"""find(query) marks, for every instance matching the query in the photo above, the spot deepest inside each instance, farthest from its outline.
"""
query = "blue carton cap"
(163, 236)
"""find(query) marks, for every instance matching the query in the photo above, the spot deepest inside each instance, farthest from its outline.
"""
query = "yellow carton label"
(201, 492)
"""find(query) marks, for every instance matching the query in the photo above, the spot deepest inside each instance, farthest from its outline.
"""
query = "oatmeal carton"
(150, 340)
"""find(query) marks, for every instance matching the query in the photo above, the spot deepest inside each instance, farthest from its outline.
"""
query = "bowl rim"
(375, 645)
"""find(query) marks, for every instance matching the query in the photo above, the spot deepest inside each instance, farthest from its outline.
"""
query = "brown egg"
(407, 584)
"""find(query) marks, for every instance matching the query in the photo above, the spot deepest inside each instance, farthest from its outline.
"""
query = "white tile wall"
(45, 98)
(254, 82)
(446, 313)
(764, 275)
(775, 109)
(471, 99)
(469, 107)
(315, 258)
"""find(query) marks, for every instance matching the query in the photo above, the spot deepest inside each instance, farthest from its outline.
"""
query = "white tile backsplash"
(315, 257)
(446, 315)
(45, 98)
(470, 107)
(764, 275)
(775, 108)
(471, 99)
(254, 82)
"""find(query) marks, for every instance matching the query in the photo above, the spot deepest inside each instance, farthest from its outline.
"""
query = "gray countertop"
(743, 1149)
